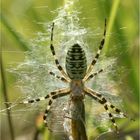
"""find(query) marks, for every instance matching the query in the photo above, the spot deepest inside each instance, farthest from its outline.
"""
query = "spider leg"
(46, 111)
(93, 75)
(97, 54)
(53, 93)
(55, 96)
(55, 58)
(103, 102)
(58, 77)
(102, 98)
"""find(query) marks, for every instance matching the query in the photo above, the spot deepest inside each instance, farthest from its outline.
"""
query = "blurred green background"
(19, 23)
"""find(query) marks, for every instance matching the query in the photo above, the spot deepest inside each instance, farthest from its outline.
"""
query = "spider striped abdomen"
(76, 63)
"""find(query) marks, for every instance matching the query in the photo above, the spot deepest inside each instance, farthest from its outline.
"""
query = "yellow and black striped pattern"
(76, 63)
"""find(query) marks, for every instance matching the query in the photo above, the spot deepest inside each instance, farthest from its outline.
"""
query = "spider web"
(34, 80)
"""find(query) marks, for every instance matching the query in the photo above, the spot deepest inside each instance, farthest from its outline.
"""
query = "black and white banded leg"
(53, 93)
(55, 96)
(55, 58)
(58, 77)
(98, 97)
(105, 107)
(98, 53)
(102, 98)
(93, 75)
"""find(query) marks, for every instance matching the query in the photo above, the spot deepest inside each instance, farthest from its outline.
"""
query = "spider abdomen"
(76, 63)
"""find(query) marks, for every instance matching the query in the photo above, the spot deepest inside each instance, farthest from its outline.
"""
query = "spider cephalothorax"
(77, 89)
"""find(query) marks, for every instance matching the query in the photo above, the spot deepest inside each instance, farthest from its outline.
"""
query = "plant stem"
(6, 99)
(78, 124)
(111, 22)
(18, 38)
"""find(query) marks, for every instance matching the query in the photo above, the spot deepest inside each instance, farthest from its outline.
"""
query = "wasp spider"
(77, 73)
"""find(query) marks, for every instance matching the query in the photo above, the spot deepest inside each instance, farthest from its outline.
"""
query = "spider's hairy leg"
(103, 99)
(55, 58)
(93, 75)
(103, 102)
(53, 93)
(63, 92)
(97, 54)
(58, 77)
(98, 97)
